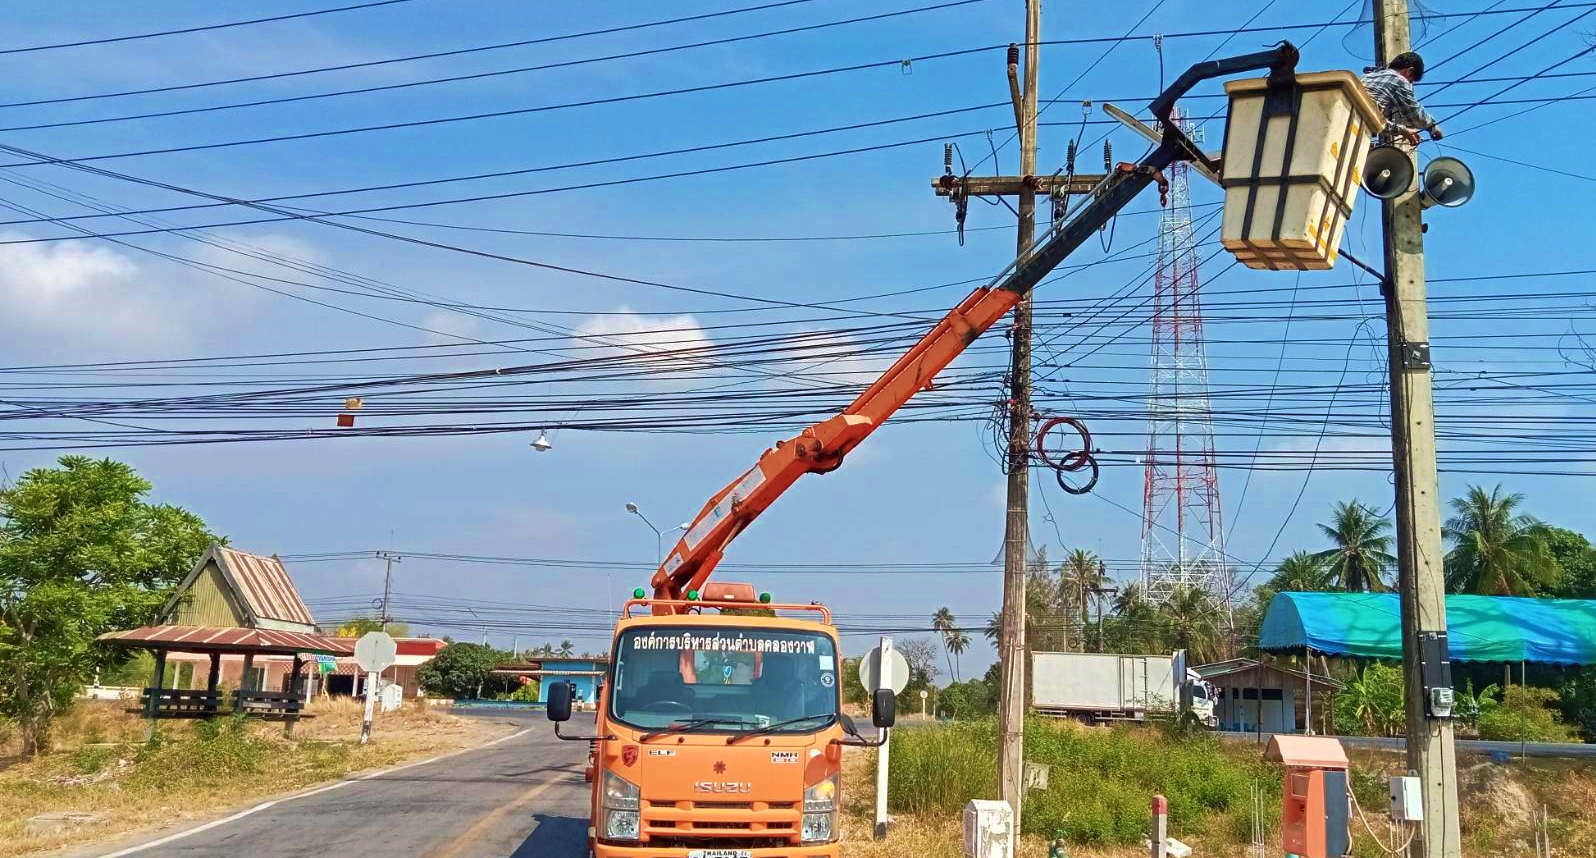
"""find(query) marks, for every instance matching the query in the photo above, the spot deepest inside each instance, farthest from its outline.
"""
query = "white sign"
(895, 677)
(375, 651)
(391, 696)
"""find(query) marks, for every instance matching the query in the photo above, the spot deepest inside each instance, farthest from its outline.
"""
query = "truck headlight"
(621, 805)
(621, 824)
(820, 811)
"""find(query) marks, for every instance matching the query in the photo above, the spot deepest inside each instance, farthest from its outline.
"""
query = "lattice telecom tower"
(1183, 541)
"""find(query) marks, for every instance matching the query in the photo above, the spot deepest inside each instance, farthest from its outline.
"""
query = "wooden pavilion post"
(294, 689)
(152, 704)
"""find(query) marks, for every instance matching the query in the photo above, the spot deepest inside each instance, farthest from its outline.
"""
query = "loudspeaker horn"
(1446, 182)
(1387, 172)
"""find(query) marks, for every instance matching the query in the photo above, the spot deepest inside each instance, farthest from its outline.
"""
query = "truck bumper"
(824, 850)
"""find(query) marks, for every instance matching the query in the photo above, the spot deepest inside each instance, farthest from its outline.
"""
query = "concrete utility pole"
(387, 585)
(1421, 582)
(1011, 708)
(1026, 186)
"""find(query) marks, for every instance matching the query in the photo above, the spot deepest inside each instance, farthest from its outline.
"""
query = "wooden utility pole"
(1421, 582)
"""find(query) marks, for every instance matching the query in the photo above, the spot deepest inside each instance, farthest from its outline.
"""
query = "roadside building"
(586, 675)
(1251, 696)
(413, 652)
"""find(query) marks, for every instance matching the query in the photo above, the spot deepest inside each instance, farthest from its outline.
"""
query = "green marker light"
(764, 598)
(638, 593)
(692, 595)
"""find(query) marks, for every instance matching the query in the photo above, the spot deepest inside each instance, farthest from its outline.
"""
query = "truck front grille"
(721, 824)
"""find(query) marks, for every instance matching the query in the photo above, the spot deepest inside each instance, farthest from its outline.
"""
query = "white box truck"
(1100, 687)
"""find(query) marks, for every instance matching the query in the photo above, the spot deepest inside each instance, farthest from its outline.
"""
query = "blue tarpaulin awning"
(1479, 628)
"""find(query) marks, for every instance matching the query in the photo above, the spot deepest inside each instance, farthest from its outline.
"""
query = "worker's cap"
(1409, 60)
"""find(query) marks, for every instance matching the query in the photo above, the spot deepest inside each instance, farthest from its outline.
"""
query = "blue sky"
(925, 492)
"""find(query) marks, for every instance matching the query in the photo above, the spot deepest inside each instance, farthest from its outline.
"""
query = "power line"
(199, 29)
(412, 58)
(389, 87)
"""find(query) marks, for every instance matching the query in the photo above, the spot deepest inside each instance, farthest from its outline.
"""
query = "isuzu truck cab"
(720, 732)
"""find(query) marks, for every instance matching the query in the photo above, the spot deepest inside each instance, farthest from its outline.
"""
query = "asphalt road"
(1560, 750)
(523, 797)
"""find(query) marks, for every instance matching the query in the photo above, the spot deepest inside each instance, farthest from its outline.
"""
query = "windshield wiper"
(684, 726)
(771, 728)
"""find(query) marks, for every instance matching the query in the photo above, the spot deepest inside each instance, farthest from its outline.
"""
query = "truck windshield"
(732, 680)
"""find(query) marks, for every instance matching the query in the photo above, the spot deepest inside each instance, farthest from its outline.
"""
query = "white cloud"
(616, 335)
(72, 290)
(450, 327)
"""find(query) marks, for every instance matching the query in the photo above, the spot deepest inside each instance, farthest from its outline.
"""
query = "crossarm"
(821, 447)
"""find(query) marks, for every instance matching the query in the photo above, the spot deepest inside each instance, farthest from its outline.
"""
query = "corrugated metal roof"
(206, 638)
(265, 585)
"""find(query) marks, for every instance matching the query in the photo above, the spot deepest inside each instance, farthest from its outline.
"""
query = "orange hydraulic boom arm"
(821, 447)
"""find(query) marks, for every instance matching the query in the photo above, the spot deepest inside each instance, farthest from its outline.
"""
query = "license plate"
(719, 853)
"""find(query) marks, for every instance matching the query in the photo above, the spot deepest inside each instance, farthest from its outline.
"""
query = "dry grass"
(101, 764)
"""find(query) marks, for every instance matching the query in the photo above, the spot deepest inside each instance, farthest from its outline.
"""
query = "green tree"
(354, 627)
(567, 649)
(1362, 551)
(1496, 550)
(1371, 703)
(1190, 621)
(972, 698)
(1525, 714)
(1301, 572)
(1080, 574)
(1135, 626)
(852, 691)
(81, 553)
(1577, 559)
(1469, 706)
(1578, 697)
(1045, 628)
(459, 670)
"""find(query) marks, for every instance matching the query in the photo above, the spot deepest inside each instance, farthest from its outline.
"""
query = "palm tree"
(1131, 600)
(1300, 572)
(956, 643)
(954, 640)
(567, 649)
(1080, 574)
(1192, 619)
(1362, 549)
(1496, 551)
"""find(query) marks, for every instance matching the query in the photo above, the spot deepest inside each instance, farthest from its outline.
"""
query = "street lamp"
(659, 537)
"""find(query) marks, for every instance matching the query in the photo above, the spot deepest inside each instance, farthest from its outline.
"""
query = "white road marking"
(265, 805)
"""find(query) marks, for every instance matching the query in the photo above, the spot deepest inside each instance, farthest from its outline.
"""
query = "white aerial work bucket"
(1293, 155)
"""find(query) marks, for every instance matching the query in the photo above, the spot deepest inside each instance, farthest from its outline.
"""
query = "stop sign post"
(374, 652)
(883, 667)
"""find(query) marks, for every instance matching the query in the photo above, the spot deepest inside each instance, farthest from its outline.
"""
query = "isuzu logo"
(723, 787)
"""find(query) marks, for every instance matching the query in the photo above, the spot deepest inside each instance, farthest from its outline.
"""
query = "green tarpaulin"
(1479, 628)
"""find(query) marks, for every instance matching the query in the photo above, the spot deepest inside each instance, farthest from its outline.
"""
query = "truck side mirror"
(883, 708)
(559, 702)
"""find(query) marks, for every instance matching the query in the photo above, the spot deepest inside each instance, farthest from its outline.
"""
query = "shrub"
(1524, 715)
(222, 751)
(1371, 704)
